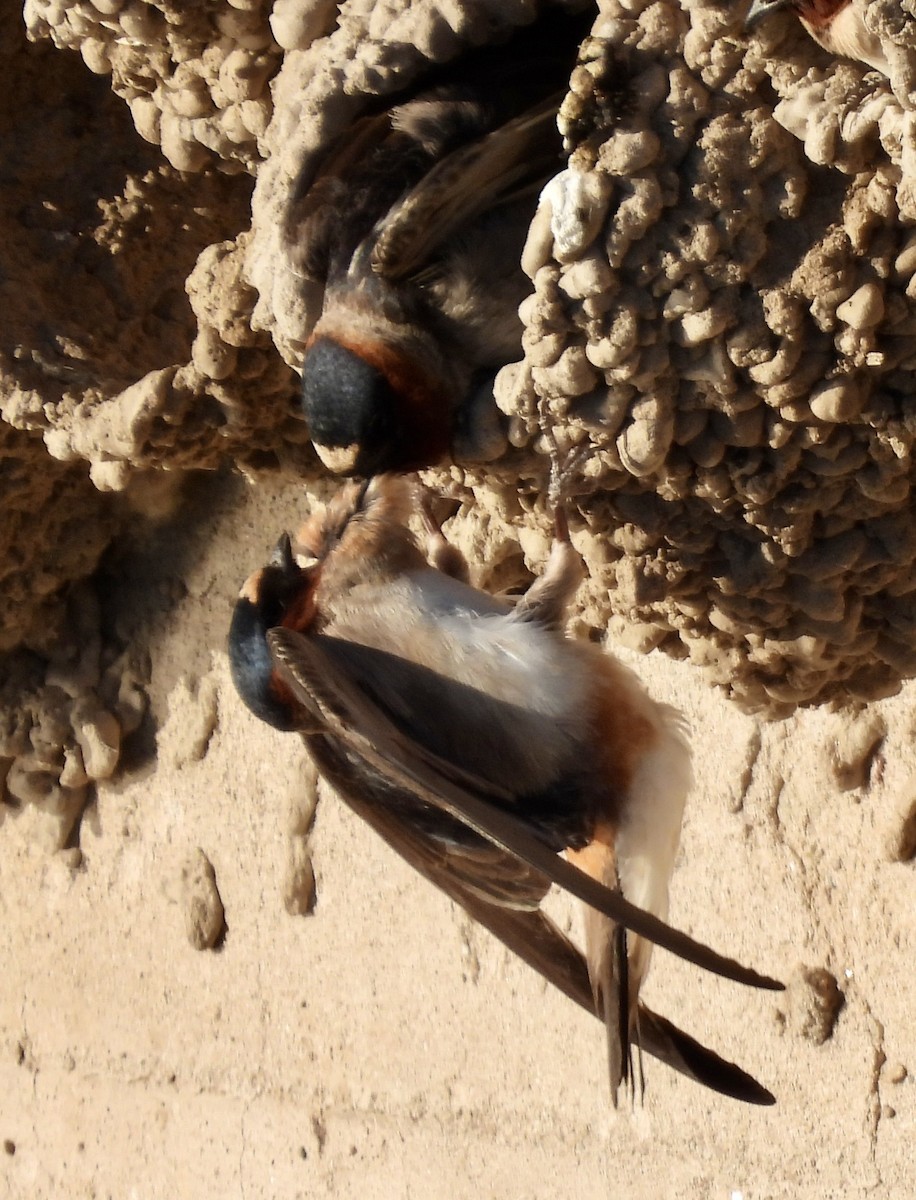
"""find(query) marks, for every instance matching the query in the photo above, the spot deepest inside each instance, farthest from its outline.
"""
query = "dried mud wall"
(722, 319)
(730, 330)
(729, 326)
(721, 316)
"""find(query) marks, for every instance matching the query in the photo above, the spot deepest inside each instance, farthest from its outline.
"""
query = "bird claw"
(440, 553)
(563, 465)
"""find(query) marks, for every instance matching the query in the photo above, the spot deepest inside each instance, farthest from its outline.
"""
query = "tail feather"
(608, 967)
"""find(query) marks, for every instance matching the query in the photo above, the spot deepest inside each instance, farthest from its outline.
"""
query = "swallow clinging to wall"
(479, 742)
(837, 25)
(414, 222)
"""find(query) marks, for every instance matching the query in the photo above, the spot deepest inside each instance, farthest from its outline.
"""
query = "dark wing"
(471, 870)
(330, 690)
(375, 164)
(394, 194)
(492, 170)
(687, 1056)
(334, 208)
(502, 894)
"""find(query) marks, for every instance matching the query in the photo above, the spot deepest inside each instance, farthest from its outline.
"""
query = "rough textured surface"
(76, 526)
(113, 269)
(812, 1004)
(721, 300)
(195, 76)
(126, 348)
(145, 358)
(204, 915)
(734, 343)
(722, 311)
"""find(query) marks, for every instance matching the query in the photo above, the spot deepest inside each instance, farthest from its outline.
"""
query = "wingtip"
(770, 984)
(684, 1054)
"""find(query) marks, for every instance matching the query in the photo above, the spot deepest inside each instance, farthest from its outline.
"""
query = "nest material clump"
(722, 302)
(727, 321)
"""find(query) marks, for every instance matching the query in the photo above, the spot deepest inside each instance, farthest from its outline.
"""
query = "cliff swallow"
(414, 223)
(480, 742)
(837, 25)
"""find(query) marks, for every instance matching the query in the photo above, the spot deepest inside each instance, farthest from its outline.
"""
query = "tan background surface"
(382, 1046)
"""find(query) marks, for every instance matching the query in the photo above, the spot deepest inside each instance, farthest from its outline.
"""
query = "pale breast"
(501, 697)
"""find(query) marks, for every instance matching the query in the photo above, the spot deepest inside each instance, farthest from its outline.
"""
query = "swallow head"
(369, 408)
(278, 594)
(351, 409)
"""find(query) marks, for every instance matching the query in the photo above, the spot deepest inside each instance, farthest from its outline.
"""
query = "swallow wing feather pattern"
(414, 223)
(495, 886)
(481, 742)
(327, 683)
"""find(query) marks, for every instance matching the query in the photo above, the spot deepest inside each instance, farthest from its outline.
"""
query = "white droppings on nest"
(577, 202)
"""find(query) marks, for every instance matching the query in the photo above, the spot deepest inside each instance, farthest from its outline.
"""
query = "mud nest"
(722, 306)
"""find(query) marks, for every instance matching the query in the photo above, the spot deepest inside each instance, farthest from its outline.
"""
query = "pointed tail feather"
(533, 937)
(606, 956)
(536, 940)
